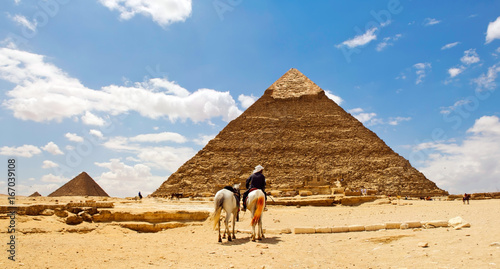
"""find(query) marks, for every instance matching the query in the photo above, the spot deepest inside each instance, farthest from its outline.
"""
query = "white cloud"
(204, 139)
(159, 137)
(163, 12)
(96, 133)
(73, 137)
(46, 93)
(493, 31)
(125, 180)
(364, 117)
(91, 119)
(49, 164)
(50, 178)
(470, 57)
(164, 157)
(43, 189)
(470, 166)
(27, 151)
(421, 71)
(487, 81)
(52, 148)
(246, 101)
(450, 45)
(23, 21)
(361, 40)
(397, 120)
(370, 118)
(430, 21)
(337, 99)
(388, 41)
(454, 71)
(457, 104)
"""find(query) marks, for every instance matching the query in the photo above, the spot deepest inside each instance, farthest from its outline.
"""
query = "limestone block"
(286, 231)
(305, 193)
(275, 193)
(356, 228)
(338, 190)
(435, 224)
(340, 229)
(323, 229)
(413, 224)
(393, 225)
(374, 227)
(304, 230)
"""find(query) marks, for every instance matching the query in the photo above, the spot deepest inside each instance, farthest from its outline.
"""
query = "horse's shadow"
(243, 240)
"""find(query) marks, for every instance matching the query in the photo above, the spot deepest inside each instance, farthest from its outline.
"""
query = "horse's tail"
(219, 202)
(258, 211)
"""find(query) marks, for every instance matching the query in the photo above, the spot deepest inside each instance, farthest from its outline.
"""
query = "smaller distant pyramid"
(35, 194)
(81, 185)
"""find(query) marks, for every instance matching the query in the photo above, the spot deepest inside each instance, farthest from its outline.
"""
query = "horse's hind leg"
(218, 228)
(260, 228)
(234, 225)
(227, 229)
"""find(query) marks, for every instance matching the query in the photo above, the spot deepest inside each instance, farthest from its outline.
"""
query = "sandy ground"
(196, 246)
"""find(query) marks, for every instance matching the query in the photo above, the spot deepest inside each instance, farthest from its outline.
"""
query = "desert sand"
(48, 242)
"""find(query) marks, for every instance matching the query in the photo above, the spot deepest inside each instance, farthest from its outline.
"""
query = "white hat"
(258, 168)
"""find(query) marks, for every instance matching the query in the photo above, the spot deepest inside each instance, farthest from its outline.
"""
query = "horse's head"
(236, 187)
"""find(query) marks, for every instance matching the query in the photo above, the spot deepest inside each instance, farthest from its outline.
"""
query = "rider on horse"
(255, 181)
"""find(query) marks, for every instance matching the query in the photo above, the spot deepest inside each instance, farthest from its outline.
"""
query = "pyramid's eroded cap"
(293, 84)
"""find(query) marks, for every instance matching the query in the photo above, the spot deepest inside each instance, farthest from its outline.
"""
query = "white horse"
(230, 202)
(256, 201)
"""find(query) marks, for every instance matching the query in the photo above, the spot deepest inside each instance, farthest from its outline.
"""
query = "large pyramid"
(81, 185)
(301, 137)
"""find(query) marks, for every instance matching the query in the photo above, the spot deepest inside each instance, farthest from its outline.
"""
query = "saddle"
(234, 191)
(253, 189)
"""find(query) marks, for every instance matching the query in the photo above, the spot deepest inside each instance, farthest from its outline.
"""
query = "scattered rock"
(47, 212)
(61, 213)
(74, 220)
(423, 244)
(458, 223)
(85, 216)
(495, 244)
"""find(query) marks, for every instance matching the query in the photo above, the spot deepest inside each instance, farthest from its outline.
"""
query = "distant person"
(140, 195)
(256, 181)
(466, 198)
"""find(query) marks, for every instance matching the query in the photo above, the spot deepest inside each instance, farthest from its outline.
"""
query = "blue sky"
(129, 90)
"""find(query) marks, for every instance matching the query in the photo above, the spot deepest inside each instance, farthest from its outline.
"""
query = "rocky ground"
(46, 241)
